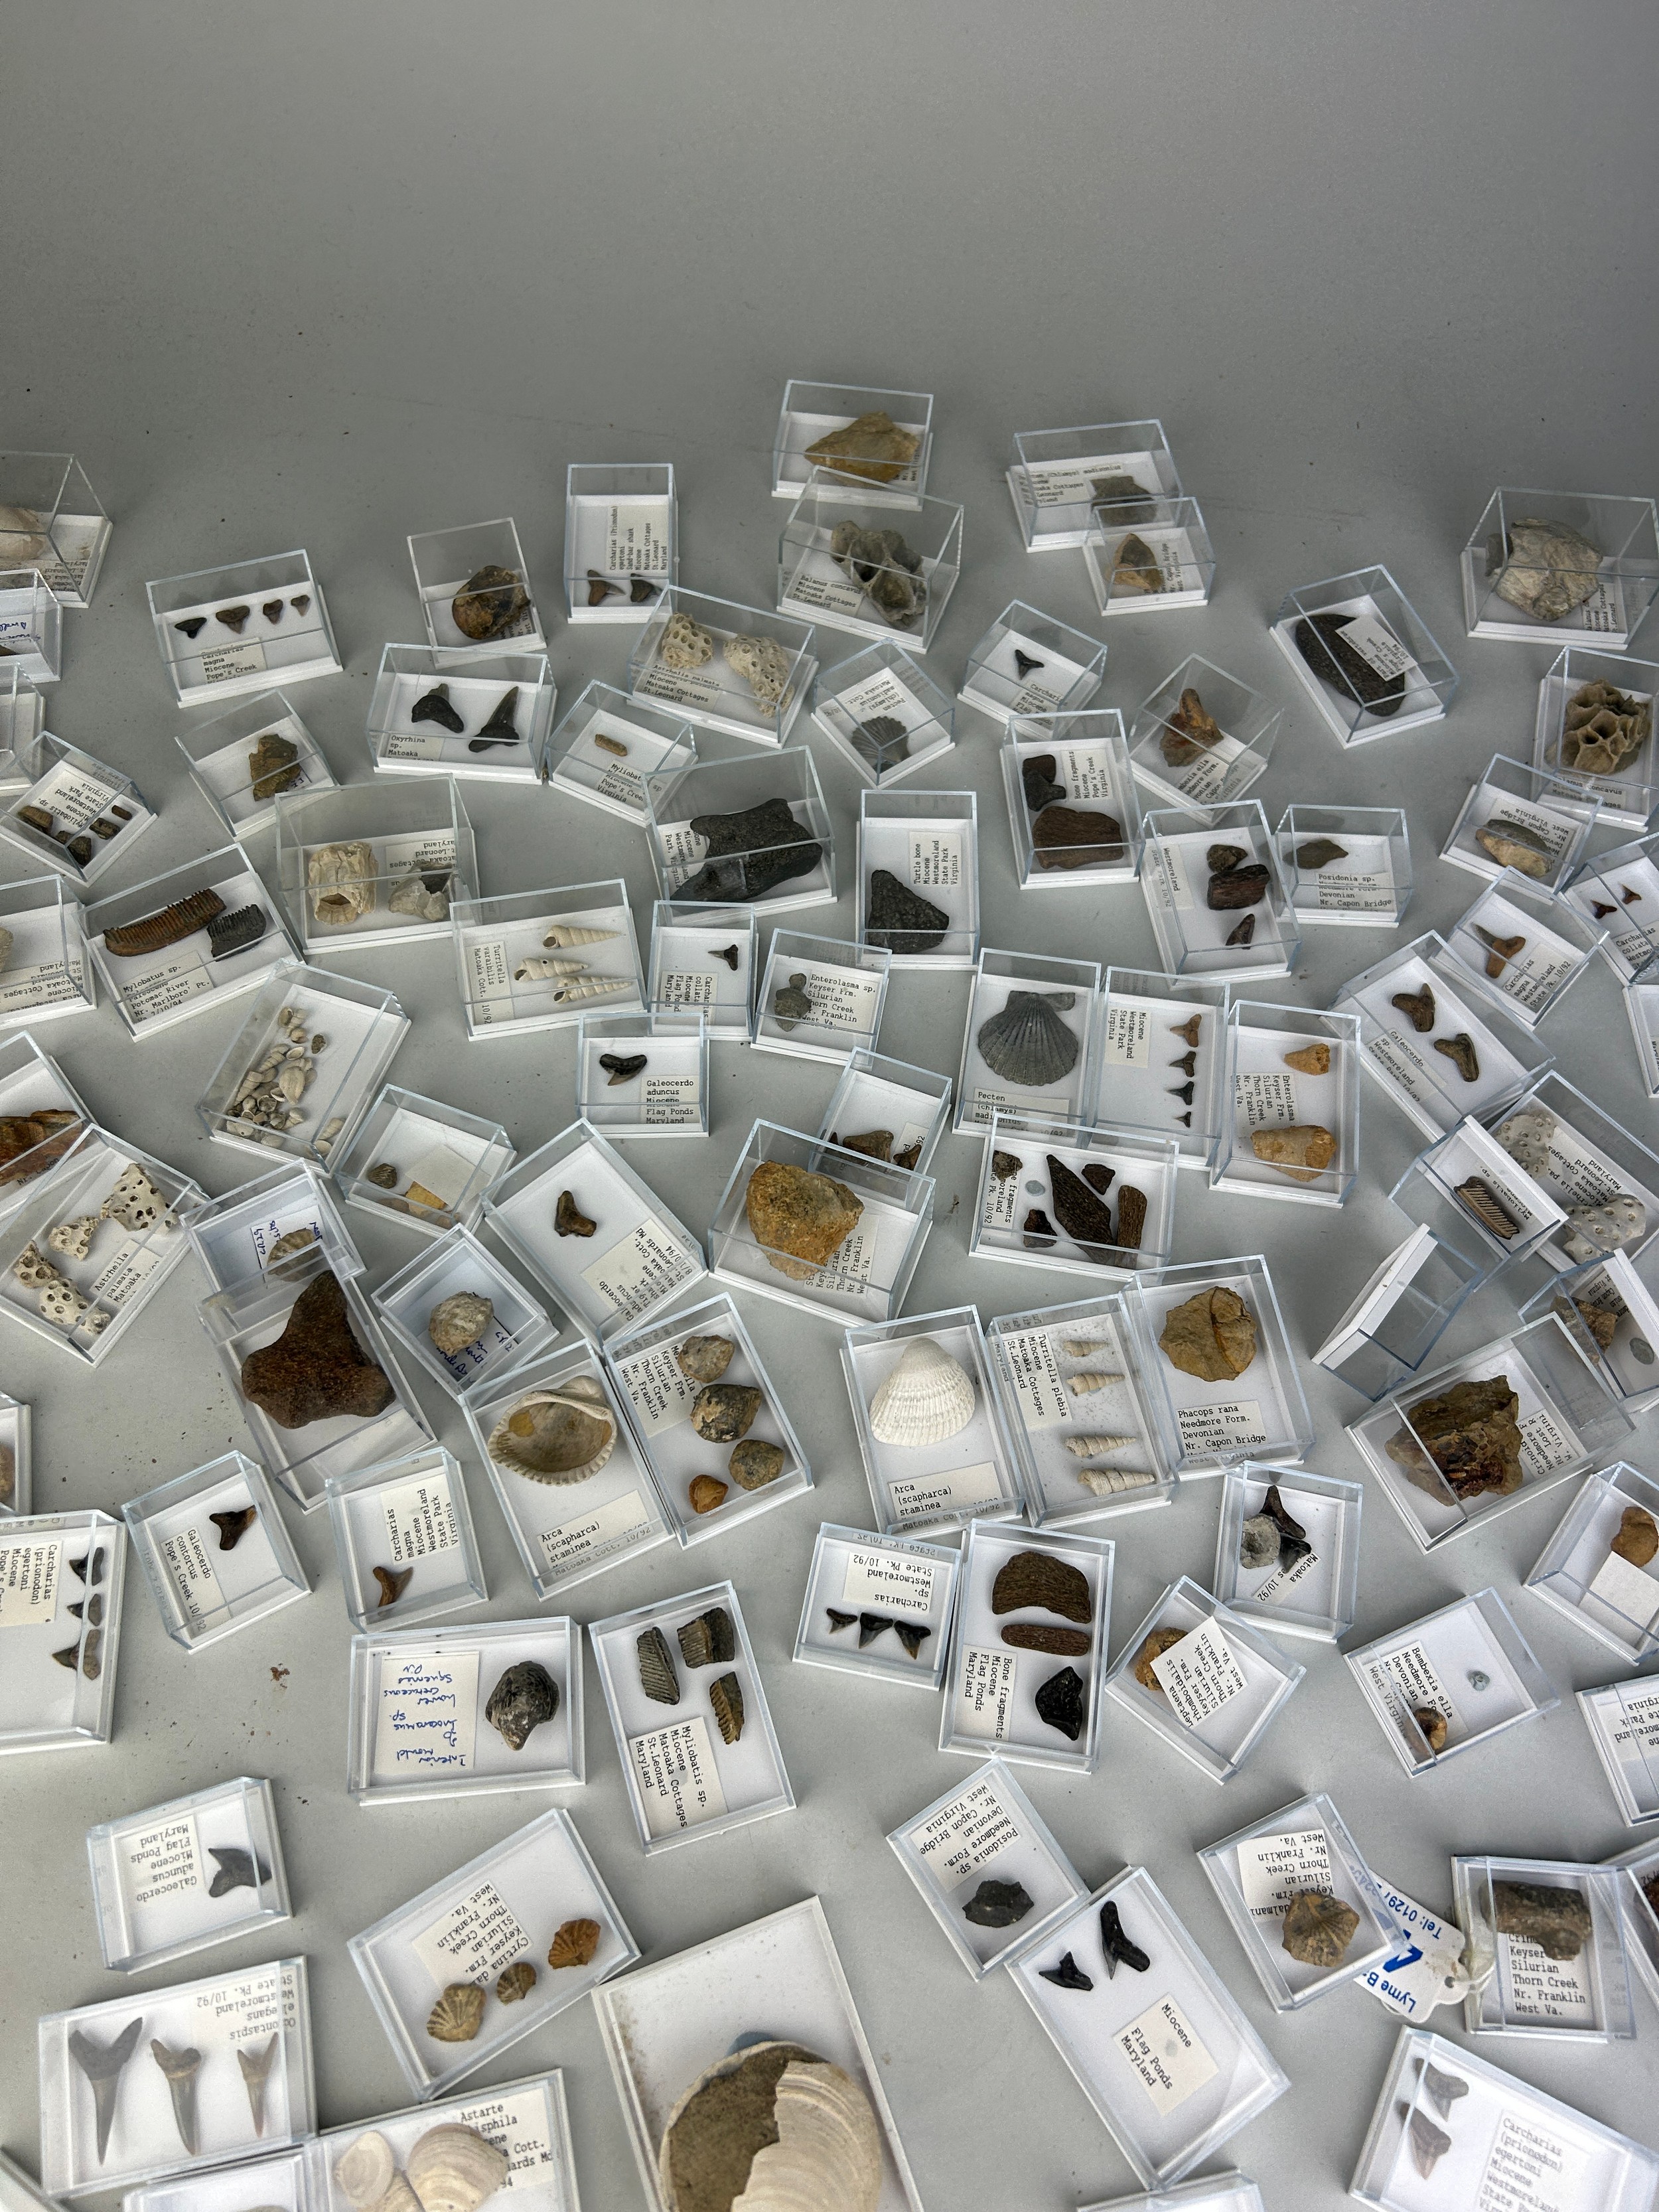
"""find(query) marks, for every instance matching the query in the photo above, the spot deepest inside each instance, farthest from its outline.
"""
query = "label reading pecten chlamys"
(28, 1581)
(894, 1581)
(674, 1771)
(1200, 1675)
(1033, 1367)
(968, 1833)
(643, 1267)
(1165, 2055)
(474, 1940)
(985, 1699)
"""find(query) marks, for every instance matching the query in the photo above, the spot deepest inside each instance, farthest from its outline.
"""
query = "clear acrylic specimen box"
(1638, 1875)
(270, 1224)
(530, 961)
(705, 959)
(1258, 1873)
(1534, 1990)
(22, 711)
(1585, 1160)
(666, 1095)
(1610, 1309)
(1593, 729)
(1070, 1201)
(424, 1162)
(605, 744)
(214, 1551)
(704, 1759)
(1533, 820)
(749, 830)
(1065, 483)
(518, 1327)
(181, 1876)
(1076, 1412)
(1224, 2192)
(843, 563)
(1365, 656)
(1151, 1027)
(1524, 946)
(1202, 738)
(1164, 562)
(243, 760)
(935, 1451)
(35, 1089)
(1583, 1574)
(988, 1830)
(1481, 2133)
(75, 813)
(621, 539)
(1623, 1720)
(742, 669)
(527, 2120)
(361, 1028)
(1475, 1196)
(1028, 1043)
(1345, 866)
(1027, 663)
(31, 625)
(883, 714)
(251, 2092)
(1236, 932)
(820, 998)
(158, 968)
(1293, 1077)
(1074, 770)
(1219, 1683)
(1253, 1412)
(667, 2023)
(1620, 888)
(378, 864)
(1446, 1052)
(422, 1725)
(878, 1606)
(1313, 1591)
(570, 1525)
(483, 713)
(619, 1256)
(1642, 1009)
(1162, 2050)
(223, 632)
(927, 843)
(1028, 1648)
(402, 1535)
(1452, 1678)
(890, 472)
(510, 1904)
(55, 522)
(474, 587)
(16, 1485)
(1543, 565)
(1477, 1437)
(58, 1688)
(660, 1399)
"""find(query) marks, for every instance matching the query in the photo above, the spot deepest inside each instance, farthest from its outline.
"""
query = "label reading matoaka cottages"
(675, 1775)
(1200, 1675)
(472, 1940)
(640, 1270)
(1529, 2169)
(592, 1537)
(1165, 2055)
(426, 1713)
(968, 1833)
(1031, 1362)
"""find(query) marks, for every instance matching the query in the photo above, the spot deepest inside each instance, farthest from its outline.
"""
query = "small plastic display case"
(517, 1329)
(1583, 1574)
(1164, 562)
(1477, 1437)
(159, 968)
(1290, 1585)
(1222, 2192)
(1293, 1077)
(403, 1535)
(1157, 2043)
(475, 587)
(1029, 1042)
(268, 1224)
(749, 830)
(1528, 819)
(1642, 1007)
(55, 522)
(715, 1765)
(878, 1099)
(883, 714)
(1253, 1412)
(534, 1895)
(820, 998)
(764, 1465)
(75, 813)
(58, 1688)
(926, 846)
(443, 1163)
(1130, 1085)
(1073, 1404)
(841, 562)
(214, 1551)
(1638, 1875)
(424, 1717)
(1620, 888)
(666, 2025)
(1365, 656)
(527, 2121)
(224, 632)
(1400, 1315)
(538, 960)
(1073, 806)
(936, 1454)
(1475, 1196)
(16, 1486)
(1524, 946)
(1452, 1678)
(1219, 1683)
(740, 669)
(1027, 663)
(242, 760)
(1253, 931)
(1096, 1201)
(378, 864)
(1533, 1990)
(22, 716)
(362, 1027)
(879, 1606)
(1594, 730)
(705, 959)
(1030, 1687)
(35, 1089)
(660, 1092)
(438, 711)
(1623, 1720)
(31, 625)
(1260, 1873)
(1064, 484)
(621, 539)
(250, 2092)
(1610, 1309)
(1345, 866)
(987, 1833)
(1446, 1051)
(185, 1875)
(1202, 738)
(1585, 1161)
(619, 1256)
(606, 744)
(888, 470)
(1579, 567)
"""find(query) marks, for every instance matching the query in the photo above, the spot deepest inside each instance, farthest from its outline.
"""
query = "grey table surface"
(320, 276)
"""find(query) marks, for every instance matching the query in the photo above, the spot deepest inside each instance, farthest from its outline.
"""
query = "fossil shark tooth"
(256, 2067)
(102, 2063)
(180, 2069)
(237, 1869)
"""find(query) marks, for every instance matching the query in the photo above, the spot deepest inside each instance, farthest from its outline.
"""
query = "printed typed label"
(189, 1569)
(1200, 1675)
(1072, 484)
(850, 1268)
(1422, 1971)
(1534, 979)
(1274, 1869)
(674, 1772)
(968, 1833)
(1031, 698)
(1282, 1583)
(412, 745)
(595, 1536)
(618, 782)
(226, 661)
(1030, 1359)
(254, 2006)
(681, 846)
(1209, 774)
(1220, 1428)
(679, 989)
(426, 1716)
(669, 1101)
(1086, 773)
(1530, 2169)
(1002, 1202)
(635, 1274)
(52, 983)
(1268, 1098)
(843, 999)
(661, 1396)
(1178, 880)
(985, 1702)
(1165, 2055)
(1538, 1987)
(1406, 1680)
(882, 694)
(516, 2122)
(418, 1519)
(959, 1490)
(165, 989)
(1401, 1062)
(28, 1583)
(1634, 1736)
(128, 1269)
(1356, 893)
(636, 540)
(890, 1582)
(489, 979)
(1546, 1442)
(936, 859)
(1552, 832)
(1370, 637)
(832, 593)
(1632, 1595)
(473, 1941)
(425, 855)
(985, 1101)
(686, 687)
(1130, 1023)
(157, 1863)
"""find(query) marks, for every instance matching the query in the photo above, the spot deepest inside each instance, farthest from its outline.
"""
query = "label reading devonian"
(674, 1771)
(1002, 1201)
(1528, 2169)
(985, 1701)
(968, 1833)
(418, 1521)
(1221, 1428)
(1372, 892)
(28, 1581)
(596, 1536)
(1030, 1360)
(894, 1581)
(189, 1569)
(1273, 1870)
(1200, 1675)
(426, 1714)
(641, 1269)
(1165, 2055)
(957, 1490)
(473, 1940)
(1371, 638)
(165, 1861)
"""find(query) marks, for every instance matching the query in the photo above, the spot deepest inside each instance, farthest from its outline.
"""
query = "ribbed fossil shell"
(1028, 1043)
(575, 1944)
(453, 2169)
(813, 2145)
(658, 1678)
(556, 1436)
(928, 1397)
(364, 2169)
(725, 1696)
(1096, 1447)
(458, 2015)
(1108, 1481)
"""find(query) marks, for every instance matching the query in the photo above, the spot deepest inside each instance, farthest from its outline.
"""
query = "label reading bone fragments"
(1029, 1358)
(985, 1701)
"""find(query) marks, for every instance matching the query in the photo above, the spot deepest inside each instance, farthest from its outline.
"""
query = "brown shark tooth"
(256, 2067)
(180, 2069)
(102, 2064)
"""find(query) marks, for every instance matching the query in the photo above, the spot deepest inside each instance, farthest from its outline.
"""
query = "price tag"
(1424, 1971)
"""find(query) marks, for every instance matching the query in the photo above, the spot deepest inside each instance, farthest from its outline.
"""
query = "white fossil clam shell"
(453, 2169)
(827, 2156)
(364, 2169)
(556, 1435)
(928, 1397)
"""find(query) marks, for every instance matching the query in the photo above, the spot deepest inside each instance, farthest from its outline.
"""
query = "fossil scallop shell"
(364, 2169)
(1027, 1043)
(575, 1944)
(928, 1397)
(818, 2149)
(458, 2015)
(453, 2169)
(556, 1436)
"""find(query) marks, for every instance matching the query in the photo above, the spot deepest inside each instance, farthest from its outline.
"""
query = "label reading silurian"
(1273, 1869)
(1266, 1097)
(661, 1396)
(843, 999)
(1200, 1675)
(1539, 1989)
(1165, 2055)
(473, 1941)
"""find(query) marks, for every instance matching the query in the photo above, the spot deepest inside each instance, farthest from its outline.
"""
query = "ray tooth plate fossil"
(153, 932)
(458, 2015)
(1067, 1975)
(523, 1700)
(574, 1944)
(1460, 1050)
(1322, 642)
(453, 2168)
(901, 919)
(1028, 1043)
(1319, 1928)
(1118, 1950)
(724, 1413)
(515, 1983)
(710, 1640)
(771, 2128)
(1545, 568)
(1043, 1579)
(873, 446)
(1060, 1703)
(928, 1397)
(364, 2169)
(316, 1370)
(556, 1436)
(1212, 1335)
(998, 1905)
(102, 2064)
(256, 2067)
(231, 933)
(433, 706)
(490, 604)
(726, 1697)
(1478, 1195)
(658, 1678)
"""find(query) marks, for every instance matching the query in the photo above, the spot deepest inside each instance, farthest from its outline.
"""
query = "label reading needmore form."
(968, 1833)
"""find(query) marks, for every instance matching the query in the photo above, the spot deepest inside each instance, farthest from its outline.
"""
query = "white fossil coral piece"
(73, 1238)
(763, 666)
(1526, 1138)
(62, 1304)
(928, 1397)
(341, 880)
(1592, 1229)
(684, 644)
(31, 1268)
(135, 1201)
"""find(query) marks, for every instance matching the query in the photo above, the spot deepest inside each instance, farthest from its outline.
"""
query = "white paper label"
(230, 660)
(263, 1234)
(1273, 1870)
(443, 1172)
(28, 1581)
(1355, 893)
(1636, 1732)
(889, 1582)
(1086, 773)
(1530, 2169)
(1177, 881)
(1633, 1595)
(1536, 1987)
(843, 999)
(661, 1395)
(674, 1771)
(251, 2009)
(1555, 834)
(1165, 2054)
(1406, 1677)
(957, 1490)
(411, 744)
(422, 854)
(1220, 1428)
(52, 983)
(165, 1861)
(686, 687)
(1030, 1360)
(1200, 1675)
(968, 1833)
(418, 1520)
(516, 2122)
(189, 1569)
(473, 1941)
(636, 540)
(1401, 1062)
(935, 859)
(1268, 1098)
(882, 694)
(678, 989)
(1422, 1971)
(596, 1536)
(1002, 1202)
(833, 594)
(426, 1716)
(1203, 779)
(1129, 1026)
(469, 1362)
(128, 1269)
(639, 1271)
(1370, 637)
(1282, 1582)
(985, 1701)
(165, 989)
(489, 979)
(668, 1101)
(1546, 1442)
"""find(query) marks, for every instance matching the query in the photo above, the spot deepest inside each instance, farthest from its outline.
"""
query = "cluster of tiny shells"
(269, 1095)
